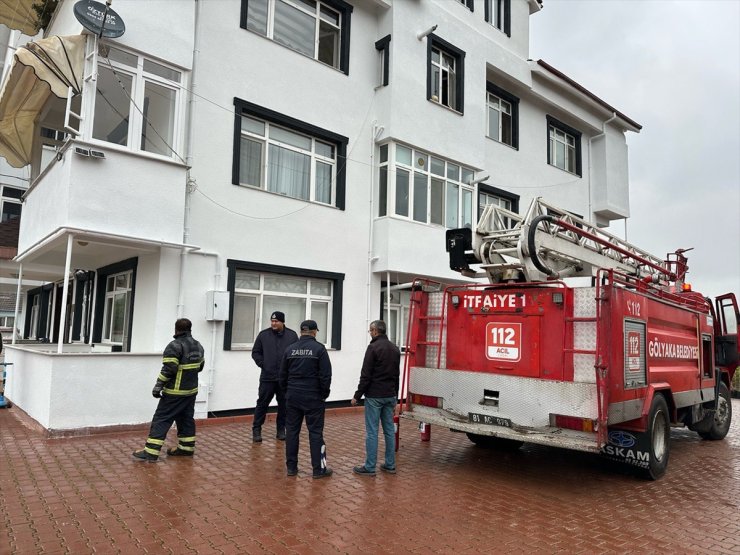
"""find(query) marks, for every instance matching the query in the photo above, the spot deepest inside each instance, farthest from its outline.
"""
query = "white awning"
(40, 69)
(19, 14)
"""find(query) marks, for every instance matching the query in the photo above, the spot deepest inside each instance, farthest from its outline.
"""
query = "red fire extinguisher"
(397, 427)
(425, 431)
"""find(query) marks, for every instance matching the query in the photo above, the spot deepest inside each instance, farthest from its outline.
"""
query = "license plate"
(475, 418)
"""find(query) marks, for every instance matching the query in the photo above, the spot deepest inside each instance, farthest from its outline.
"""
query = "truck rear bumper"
(548, 435)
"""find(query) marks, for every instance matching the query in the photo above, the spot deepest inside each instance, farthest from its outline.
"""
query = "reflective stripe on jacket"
(181, 361)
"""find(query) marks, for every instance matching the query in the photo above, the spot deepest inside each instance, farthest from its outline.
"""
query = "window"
(318, 29)
(396, 314)
(445, 73)
(288, 157)
(498, 197)
(424, 188)
(503, 116)
(114, 304)
(137, 102)
(563, 146)
(117, 303)
(498, 14)
(11, 203)
(383, 48)
(467, 3)
(258, 289)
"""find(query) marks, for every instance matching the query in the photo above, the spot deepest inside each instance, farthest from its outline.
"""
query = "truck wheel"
(659, 434)
(491, 442)
(722, 417)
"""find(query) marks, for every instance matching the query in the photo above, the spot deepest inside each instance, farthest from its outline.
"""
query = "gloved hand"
(157, 391)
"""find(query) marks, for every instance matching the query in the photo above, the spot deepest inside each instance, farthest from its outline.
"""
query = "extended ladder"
(547, 243)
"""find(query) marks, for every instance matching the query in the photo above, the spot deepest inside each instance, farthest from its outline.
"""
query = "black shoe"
(293, 472)
(280, 435)
(142, 456)
(256, 436)
(325, 474)
(177, 452)
(362, 471)
(387, 469)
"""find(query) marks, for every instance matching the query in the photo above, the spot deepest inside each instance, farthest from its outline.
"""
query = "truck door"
(726, 329)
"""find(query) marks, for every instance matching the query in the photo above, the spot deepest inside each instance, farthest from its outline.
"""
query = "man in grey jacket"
(379, 384)
(267, 353)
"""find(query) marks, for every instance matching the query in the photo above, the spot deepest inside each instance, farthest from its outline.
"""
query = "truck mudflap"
(546, 435)
(631, 448)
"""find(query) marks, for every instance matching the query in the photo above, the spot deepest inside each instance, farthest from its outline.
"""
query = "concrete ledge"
(33, 425)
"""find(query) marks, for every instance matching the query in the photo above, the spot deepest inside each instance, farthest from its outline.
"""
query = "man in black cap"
(305, 376)
(267, 352)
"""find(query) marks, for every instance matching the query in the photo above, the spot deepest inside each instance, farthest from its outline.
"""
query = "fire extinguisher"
(425, 431)
(397, 427)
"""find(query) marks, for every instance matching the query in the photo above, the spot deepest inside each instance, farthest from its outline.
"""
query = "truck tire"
(659, 436)
(722, 418)
(493, 442)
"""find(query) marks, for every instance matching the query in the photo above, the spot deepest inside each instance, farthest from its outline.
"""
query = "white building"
(226, 159)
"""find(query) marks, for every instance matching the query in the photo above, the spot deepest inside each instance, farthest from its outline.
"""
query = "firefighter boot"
(142, 455)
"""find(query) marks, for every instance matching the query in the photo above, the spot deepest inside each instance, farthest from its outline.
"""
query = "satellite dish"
(99, 18)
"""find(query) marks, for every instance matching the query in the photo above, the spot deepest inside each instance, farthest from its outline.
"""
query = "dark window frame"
(383, 46)
(491, 190)
(342, 7)
(470, 4)
(102, 275)
(244, 108)
(556, 123)
(433, 41)
(337, 293)
(514, 101)
(507, 17)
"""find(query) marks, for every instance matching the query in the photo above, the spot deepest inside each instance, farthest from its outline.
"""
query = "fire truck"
(576, 339)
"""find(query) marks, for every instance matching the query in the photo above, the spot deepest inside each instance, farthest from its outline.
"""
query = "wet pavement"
(87, 495)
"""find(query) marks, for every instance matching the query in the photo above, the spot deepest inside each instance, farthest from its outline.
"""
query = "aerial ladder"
(549, 243)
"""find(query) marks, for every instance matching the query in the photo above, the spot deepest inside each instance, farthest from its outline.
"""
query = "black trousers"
(312, 409)
(266, 392)
(172, 408)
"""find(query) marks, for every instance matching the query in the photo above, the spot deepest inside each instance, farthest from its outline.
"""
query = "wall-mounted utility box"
(217, 305)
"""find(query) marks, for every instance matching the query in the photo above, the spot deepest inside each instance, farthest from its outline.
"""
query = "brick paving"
(86, 495)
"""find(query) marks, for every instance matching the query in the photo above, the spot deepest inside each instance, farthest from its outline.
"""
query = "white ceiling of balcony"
(40, 69)
(19, 14)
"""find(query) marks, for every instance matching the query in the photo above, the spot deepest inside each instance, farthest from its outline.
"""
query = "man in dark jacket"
(379, 385)
(267, 352)
(176, 389)
(305, 376)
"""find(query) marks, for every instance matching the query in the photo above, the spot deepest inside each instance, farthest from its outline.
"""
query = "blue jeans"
(380, 408)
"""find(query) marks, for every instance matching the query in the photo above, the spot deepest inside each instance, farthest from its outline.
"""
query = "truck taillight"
(573, 423)
(426, 400)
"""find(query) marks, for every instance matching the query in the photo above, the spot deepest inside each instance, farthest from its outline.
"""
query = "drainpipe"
(189, 180)
(590, 176)
(376, 131)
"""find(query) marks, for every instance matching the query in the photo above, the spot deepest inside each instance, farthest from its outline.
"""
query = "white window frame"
(450, 72)
(266, 141)
(106, 333)
(504, 108)
(393, 167)
(496, 11)
(139, 79)
(559, 137)
(316, 14)
(400, 300)
(309, 297)
(491, 198)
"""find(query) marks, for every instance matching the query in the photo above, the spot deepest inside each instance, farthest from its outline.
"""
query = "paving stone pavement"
(87, 495)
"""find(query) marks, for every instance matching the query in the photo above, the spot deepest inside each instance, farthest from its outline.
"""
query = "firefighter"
(305, 376)
(176, 389)
(379, 379)
(267, 353)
